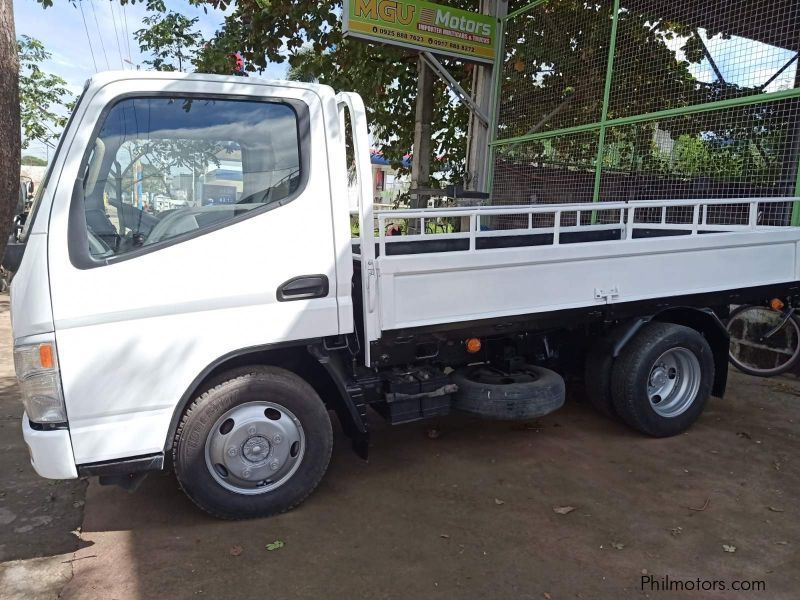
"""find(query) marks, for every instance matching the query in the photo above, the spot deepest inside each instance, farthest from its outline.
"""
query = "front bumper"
(50, 451)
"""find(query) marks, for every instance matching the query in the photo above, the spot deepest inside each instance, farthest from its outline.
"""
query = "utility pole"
(421, 158)
(478, 134)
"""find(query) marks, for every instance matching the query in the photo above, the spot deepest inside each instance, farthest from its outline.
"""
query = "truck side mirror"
(12, 256)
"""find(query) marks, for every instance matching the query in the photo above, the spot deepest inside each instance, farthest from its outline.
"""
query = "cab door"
(192, 222)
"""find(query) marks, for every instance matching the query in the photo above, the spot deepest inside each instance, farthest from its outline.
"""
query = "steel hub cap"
(673, 382)
(255, 447)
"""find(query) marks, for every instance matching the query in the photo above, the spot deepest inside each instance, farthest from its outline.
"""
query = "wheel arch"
(308, 359)
(703, 320)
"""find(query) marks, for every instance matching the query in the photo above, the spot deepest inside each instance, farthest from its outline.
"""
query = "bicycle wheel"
(755, 354)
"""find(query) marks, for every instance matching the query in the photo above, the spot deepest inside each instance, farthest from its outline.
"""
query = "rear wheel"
(253, 445)
(662, 379)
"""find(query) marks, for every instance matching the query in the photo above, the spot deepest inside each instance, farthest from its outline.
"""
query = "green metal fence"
(607, 100)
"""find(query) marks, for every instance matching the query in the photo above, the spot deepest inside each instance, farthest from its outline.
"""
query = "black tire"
(239, 387)
(793, 332)
(632, 372)
(525, 394)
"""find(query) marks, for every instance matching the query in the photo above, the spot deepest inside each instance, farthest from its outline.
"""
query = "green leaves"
(309, 35)
(170, 39)
(276, 545)
(44, 98)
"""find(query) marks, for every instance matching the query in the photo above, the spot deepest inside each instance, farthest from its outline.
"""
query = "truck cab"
(185, 219)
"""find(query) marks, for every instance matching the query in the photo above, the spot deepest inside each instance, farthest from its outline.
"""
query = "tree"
(170, 39)
(9, 121)
(309, 35)
(41, 95)
(33, 161)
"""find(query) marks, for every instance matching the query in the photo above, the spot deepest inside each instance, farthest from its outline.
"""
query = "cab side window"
(165, 167)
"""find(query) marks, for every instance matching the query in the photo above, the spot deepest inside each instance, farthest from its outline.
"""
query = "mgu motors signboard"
(423, 26)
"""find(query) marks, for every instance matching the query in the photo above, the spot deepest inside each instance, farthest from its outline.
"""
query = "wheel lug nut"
(274, 465)
(246, 472)
(232, 452)
(277, 439)
(251, 430)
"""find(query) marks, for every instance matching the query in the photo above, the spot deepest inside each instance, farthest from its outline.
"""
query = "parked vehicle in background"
(129, 361)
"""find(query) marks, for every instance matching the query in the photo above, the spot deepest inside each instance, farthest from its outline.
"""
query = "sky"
(61, 29)
(740, 61)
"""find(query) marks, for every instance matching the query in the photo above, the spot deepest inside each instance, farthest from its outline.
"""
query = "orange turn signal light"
(473, 345)
(46, 359)
(776, 304)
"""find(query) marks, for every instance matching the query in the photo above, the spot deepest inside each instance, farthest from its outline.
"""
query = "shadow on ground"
(37, 516)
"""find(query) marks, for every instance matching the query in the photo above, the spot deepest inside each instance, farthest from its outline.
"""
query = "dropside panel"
(450, 287)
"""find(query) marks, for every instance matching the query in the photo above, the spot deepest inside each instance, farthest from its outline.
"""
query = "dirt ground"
(468, 513)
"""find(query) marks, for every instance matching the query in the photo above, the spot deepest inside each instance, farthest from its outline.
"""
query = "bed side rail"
(565, 223)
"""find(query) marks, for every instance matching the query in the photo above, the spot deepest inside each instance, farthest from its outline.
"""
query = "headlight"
(40, 382)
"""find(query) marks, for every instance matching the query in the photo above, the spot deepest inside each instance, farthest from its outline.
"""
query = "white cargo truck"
(215, 336)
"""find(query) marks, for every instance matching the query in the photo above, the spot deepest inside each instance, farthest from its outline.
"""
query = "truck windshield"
(161, 167)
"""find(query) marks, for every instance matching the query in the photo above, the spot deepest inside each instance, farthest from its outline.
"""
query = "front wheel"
(764, 342)
(662, 379)
(254, 445)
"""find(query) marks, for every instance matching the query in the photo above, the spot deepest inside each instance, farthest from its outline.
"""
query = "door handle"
(304, 287)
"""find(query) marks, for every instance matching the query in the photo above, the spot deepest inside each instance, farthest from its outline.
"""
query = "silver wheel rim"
(255, 448)
(673, 382)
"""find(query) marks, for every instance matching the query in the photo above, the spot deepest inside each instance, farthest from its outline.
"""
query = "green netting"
(676, 54)
(554, 72)
(549, 171)
(747, 151)
(721, 77)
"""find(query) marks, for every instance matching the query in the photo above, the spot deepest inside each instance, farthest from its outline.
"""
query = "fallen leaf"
(728, 548)
(617, 545)
(774, 509)
(276, 545)
(444, 536)
(676, 531)
(235, 550)
(744, 434)
(702, 508)
(499, 502)
(782, 543)
(547, 596)
(563, 510)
